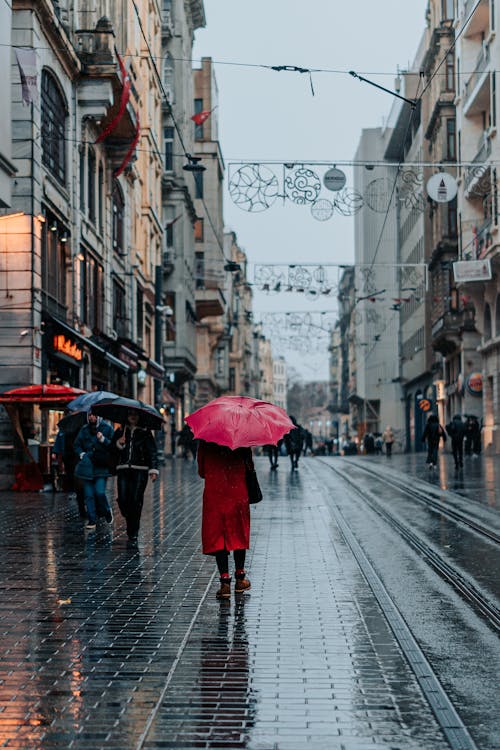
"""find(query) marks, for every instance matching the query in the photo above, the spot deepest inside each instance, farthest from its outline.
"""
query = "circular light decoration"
(253, 188)
(378, 194)
(302, 185)
(322, 209)
(348, 202)
(442, 187)
(334, 179)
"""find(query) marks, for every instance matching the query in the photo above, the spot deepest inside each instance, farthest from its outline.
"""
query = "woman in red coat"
(226, 511)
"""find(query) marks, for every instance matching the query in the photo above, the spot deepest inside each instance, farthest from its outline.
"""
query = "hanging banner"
(442, 187)
(26, 62)
(472, 270)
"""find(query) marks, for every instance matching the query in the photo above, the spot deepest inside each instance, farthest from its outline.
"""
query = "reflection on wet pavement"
(92, 628)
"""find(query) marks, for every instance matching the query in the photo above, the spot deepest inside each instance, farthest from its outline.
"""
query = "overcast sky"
(268, 115)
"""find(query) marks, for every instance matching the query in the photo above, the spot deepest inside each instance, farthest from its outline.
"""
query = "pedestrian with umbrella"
(92, 448)
(227, 428)
(136, 456)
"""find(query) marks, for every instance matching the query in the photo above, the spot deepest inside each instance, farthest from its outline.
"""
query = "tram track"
(467, 590)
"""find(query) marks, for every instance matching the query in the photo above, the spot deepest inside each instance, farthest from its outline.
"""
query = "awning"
(155, 369)
(116, 362)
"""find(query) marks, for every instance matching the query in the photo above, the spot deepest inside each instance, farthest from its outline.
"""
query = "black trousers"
(131, 486)
(457, 447)
(432, 452)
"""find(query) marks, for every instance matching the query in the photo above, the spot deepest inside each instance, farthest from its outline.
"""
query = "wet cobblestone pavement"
(107, 646)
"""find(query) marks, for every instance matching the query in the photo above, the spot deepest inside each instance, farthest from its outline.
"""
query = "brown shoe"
(242, 583)
(225, 589)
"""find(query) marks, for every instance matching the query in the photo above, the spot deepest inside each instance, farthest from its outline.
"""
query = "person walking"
(456, 430)
(92, 446)
(226, 511)
(293, 442)
(273, 454)
(432, 434)
(136, 462)
(308, 442)
(388, 440)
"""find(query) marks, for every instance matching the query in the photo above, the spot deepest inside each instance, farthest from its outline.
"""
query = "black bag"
(254, 491)
(100, 457)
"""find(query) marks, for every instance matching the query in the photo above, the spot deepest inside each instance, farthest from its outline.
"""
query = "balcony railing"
(477, 171)
(480, 68)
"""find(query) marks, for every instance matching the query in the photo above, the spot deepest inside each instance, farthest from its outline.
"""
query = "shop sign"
(472, 270)
(475, 384)
(67, 347)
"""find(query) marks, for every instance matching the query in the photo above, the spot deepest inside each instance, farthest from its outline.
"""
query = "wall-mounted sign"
(475, 384)
(472, 270)
(442, 187)
(67, 347)
(424, 404)
(334, 179)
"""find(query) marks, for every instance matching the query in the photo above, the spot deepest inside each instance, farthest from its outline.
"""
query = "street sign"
(442, 187)
(424, 404)
(334, 179)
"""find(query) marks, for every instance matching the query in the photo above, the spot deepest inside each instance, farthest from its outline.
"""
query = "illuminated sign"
(424, 404)
(67, 347)
(475, 383)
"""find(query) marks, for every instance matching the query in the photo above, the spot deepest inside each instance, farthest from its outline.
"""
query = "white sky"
(268, 115)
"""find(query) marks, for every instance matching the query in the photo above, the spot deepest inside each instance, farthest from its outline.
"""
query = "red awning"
(40, 394)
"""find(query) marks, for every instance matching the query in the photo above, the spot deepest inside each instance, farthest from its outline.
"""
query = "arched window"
(168, 77)
(118, 216)
(53, 115)
(497, 316)
(487, 322)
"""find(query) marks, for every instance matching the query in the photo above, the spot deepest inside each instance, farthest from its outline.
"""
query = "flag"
(132, 148)
(125, 96)
(26, 62)
(200, 117)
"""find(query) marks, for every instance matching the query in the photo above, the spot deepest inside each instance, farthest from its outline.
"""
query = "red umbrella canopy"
(240, 422)
(40, 394)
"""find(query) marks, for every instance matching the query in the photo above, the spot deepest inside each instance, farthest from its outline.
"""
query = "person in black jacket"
(433, 433)
(136, 461)
(293, 442)
(456, 430)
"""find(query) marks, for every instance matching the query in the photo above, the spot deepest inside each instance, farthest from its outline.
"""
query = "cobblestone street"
(110, 646)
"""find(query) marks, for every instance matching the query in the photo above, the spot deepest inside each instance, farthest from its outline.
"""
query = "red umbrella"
(40, 394)
(240, 422)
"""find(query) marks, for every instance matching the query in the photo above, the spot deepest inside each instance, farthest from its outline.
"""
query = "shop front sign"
(65, 346)
(475, 384)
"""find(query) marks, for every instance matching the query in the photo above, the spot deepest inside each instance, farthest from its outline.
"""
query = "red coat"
(226, 512)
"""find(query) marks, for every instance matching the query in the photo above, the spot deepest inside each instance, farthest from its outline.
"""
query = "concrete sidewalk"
(104, 646)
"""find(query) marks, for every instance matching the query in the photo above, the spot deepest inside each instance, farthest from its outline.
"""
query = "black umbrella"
(117, 411)
(72, 422)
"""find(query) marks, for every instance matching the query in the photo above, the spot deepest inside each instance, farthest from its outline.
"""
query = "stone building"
(280, 382)
(82, 235)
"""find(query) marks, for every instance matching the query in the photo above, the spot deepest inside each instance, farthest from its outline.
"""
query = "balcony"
(480, 20)
(477, 88)
(477, 179)
(446, 332)
(209, 303)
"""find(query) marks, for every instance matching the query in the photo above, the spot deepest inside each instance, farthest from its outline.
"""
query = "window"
(198, 230)
(487, 322)
(100, 199)
(91, 291)
(82, 179)
(450, 72)
(140, 314)
(448, 10)
(54, 260)
(198, 181)
(452, 218)
(118, 214)
(91, 164)
(198, 129)
(451, 140)
(53, 117)
(119, 309)
(168, 137)
(168, 77)
(199, 270)
(170, 319)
